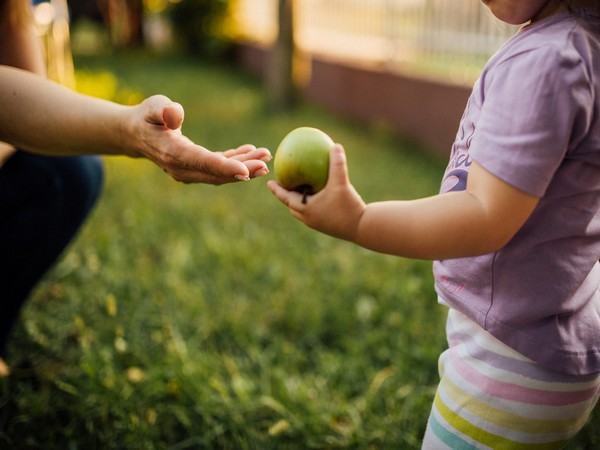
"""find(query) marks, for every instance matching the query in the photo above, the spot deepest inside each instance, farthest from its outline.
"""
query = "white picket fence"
(389, 32)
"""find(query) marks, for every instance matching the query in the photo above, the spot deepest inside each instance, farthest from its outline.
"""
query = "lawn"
(202, 317)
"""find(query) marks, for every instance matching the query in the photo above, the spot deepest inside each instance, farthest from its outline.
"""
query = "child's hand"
(336, 210)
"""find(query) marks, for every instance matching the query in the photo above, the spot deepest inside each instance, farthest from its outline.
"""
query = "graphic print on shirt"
(457, 172)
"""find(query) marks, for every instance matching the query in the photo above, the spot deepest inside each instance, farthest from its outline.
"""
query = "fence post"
(280, 81)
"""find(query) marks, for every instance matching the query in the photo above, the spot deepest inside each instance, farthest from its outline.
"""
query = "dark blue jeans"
(43, 202)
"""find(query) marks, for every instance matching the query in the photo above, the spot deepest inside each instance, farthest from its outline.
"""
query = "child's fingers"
(291, 199)
(338, 175)
(338, 170)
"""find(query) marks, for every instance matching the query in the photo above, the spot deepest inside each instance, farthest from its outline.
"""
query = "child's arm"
(479, 220)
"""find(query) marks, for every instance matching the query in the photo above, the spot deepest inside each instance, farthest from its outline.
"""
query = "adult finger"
(195, 164)
(241, 150)
(215, 164)
(256, 168)
(261, 154)
(190, 176)
(249, 152)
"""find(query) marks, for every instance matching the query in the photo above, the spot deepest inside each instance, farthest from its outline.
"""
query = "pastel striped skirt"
(491, 397)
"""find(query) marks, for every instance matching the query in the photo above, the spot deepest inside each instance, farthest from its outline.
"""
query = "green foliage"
(200, 26)
(103, 84)
(200, 317)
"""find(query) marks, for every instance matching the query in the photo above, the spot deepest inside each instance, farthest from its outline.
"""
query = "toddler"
(514, 235)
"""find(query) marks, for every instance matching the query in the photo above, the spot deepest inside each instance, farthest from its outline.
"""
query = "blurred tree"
(280, 80)
(88, 9)
(51, 18)
(200, 26)
(124, 20)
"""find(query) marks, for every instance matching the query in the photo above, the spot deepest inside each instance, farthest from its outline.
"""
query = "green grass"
(193, 316)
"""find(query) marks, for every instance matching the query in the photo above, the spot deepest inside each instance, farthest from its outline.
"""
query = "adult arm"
(19, 47)
(41, 116)
(19, 44)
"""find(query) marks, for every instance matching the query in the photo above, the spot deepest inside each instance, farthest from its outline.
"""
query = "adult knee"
(78, 181)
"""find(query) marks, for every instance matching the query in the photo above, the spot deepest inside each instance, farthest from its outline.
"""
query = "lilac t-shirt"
(533, 120)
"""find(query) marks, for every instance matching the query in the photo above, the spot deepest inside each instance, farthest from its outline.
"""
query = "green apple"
(302, 160)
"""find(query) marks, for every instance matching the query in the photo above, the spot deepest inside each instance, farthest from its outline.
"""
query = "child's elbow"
(493, 241)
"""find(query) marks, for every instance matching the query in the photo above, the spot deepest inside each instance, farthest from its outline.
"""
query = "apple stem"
(305, 192)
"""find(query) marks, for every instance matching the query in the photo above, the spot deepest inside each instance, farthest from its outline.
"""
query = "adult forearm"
(44, 117)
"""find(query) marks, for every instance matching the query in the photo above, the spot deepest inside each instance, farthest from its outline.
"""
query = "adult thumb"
(172, 115)
(160, 110)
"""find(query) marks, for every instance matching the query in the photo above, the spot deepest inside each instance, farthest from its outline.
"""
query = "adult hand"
(336, 210)
(157, 123)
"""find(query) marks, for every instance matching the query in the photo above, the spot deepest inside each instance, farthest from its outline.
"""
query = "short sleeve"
(536, 106)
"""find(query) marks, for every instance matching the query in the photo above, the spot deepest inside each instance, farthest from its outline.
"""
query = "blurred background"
(381, 50)
(197, 317)
(394, 34)
(391, 33)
